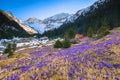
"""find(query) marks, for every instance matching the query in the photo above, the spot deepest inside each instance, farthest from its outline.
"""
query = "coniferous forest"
(106, 14)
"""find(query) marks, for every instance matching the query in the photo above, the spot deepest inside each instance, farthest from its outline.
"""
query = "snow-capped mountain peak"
(32, 20)
(59, 19)
(49, 23)
(59, 16)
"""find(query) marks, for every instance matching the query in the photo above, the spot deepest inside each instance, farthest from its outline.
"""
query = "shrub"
(14, 47)
(10, 54)
(103, 34)
(8, 49)
(58, 44)
(66, 44)
(63, 44)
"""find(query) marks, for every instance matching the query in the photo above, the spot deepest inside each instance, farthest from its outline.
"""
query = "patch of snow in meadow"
(20, 49)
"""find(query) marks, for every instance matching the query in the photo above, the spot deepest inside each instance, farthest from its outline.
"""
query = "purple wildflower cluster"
(89, 60)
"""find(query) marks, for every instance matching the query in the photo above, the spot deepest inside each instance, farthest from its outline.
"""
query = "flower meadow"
(89, 60)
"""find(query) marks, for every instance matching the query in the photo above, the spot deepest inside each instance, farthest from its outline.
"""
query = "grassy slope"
(82, 61)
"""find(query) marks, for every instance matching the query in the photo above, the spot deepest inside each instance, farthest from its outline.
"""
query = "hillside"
(88, 60)
(101, 13)
(11, 27)
(80, 46)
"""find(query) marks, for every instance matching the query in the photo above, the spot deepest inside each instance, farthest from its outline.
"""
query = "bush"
(58, 44)
(14, 47)
(63, 44)
(10, 54)
(8, 49)
(103, 34)
(66, 44)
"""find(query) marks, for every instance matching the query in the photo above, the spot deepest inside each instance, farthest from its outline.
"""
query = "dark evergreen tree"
(104, 30)
(14, 47)
(90, 32)
(8, 49)
(70, 34)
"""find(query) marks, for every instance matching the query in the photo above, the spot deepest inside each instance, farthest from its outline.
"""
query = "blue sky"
(24, 9)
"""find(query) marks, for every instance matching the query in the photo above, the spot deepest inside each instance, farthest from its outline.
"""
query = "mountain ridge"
(101, 13)
(11, 27)
(49, 23)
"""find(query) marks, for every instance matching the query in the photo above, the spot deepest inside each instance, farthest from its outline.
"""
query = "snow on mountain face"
(25, 27)
(57, 20)
(49, 23)
(31, 20)
(88, 9)
(58, 17)
(36, 24)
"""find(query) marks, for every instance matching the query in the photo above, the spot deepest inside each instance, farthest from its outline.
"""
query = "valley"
(60, 40)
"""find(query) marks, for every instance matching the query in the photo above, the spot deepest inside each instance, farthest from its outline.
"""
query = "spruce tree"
(8, 49)
(14, 47)
(90, 32)
(70, 34)
(104, 30)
